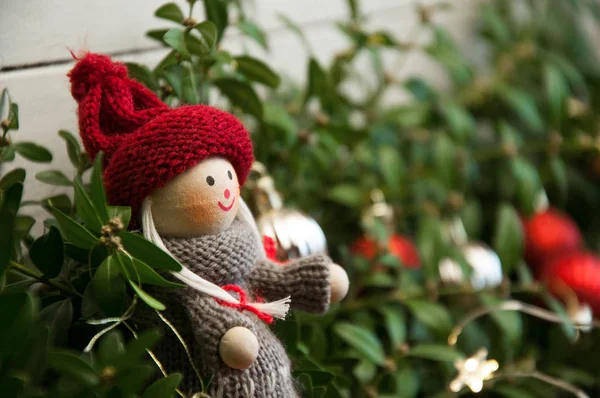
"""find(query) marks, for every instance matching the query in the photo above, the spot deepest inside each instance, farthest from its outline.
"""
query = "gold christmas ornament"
(486, 268)
(294, 233)
(473, 371)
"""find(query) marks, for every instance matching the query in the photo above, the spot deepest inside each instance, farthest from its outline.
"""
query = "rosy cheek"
(199, 208)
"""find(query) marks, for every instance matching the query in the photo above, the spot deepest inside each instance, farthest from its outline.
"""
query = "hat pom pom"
(93, 69)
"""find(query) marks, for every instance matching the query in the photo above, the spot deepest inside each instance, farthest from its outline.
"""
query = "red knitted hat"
(146, 143)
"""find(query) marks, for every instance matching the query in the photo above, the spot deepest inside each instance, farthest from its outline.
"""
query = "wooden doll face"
(203, 200)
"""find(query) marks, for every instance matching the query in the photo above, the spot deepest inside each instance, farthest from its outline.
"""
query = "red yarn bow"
(243, 305)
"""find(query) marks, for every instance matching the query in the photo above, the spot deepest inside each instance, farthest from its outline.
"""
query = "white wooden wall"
(35, 35)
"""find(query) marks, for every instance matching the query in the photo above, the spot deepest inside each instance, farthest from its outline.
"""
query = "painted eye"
(229, 174)
(210, 181)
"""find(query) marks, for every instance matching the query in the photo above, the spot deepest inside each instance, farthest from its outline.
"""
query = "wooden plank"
(34, 32)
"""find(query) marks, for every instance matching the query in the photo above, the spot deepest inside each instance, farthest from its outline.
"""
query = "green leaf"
(256, 70)
(18, 312)
(406, 381)
(216, 11)
(136, 349)
(523, 104)
(23, 224)
(560, 310)
(70, 364)
(508, 238)
(557, 90)
(429, 243)
(47, 253)
(241, 94)
(346, 194)
(33, 152)
(4, 100)
(558, 172)
(62, 202)
(395, 324)
(189, 85)
(435, 316)
(528, 184)
(512, 391)
(111, 346)
(175, 38)
(8, 214)
(163, 388)
(436, 352)
(148, 252)
(495, 24)
(471, 215)
(146, 298)
(13, 116)
(143, 74)
(123, 212)
(7, 154)
(73, 147)
(57, 318)
(137, 271)
(445, 158)
(109, 287)
(173, 74)
(572, 73)
(132, 380)
(85, 208)
(156, 34)
(460, 121)
(420, 89)
(509, 321)
(253, 31)
(392, 168)
(208, 33)
(53, 177)
(354, 9)
(318, 83)
(172, 58)
(74, 232)
(361, 339)
(275, 115)
(14, 176)
(171, 12)
(97, 193)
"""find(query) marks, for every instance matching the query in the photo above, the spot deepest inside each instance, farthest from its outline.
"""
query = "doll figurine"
(180, 170)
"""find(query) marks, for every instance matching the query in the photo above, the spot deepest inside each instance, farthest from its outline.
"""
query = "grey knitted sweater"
(231, 257)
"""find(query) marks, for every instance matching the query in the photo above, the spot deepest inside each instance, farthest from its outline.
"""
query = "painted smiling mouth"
(226, 208)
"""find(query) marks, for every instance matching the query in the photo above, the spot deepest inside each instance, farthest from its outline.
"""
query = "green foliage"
(74, 273)
(521, 118)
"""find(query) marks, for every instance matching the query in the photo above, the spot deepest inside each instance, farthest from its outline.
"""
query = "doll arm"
(312, 282)
(222, 333)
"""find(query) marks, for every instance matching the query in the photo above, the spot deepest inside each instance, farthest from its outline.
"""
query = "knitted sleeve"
(306, 280)
(209, 321)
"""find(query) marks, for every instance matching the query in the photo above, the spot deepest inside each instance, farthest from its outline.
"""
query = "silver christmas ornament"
(486, 268)
(294, 233)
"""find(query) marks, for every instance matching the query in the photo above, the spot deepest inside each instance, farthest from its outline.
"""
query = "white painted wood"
(37, 31)
(46, 105)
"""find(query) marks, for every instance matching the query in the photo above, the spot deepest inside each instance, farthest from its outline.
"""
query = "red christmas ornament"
(548, 234)
(398, 245)
(579, 271)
